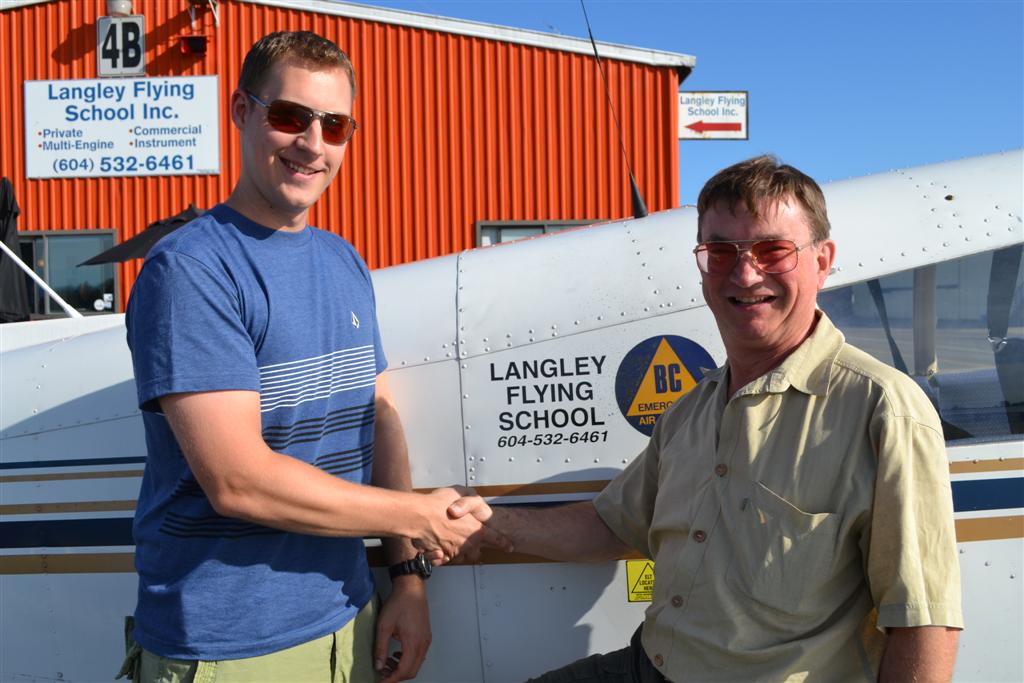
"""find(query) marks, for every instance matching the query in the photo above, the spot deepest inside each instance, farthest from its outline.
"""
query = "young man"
(796, 502)
(258, 363)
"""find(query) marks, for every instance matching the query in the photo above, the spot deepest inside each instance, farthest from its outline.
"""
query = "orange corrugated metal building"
(460, 122)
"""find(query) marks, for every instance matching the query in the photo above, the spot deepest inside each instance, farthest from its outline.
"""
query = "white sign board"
(121, 46)
(713, 115)
(123, 127)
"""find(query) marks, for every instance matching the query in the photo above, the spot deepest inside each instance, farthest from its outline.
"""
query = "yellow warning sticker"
(640, 580)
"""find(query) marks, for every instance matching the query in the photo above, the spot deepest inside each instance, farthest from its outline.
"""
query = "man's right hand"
(456, 537)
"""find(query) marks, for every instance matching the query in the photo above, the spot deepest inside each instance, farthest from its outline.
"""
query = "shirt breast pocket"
(781, 554)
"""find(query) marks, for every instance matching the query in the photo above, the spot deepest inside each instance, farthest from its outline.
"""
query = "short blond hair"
(302, 47)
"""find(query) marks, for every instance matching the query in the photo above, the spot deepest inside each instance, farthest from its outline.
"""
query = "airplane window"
(511, 233)
(496, 232)
(935, 324)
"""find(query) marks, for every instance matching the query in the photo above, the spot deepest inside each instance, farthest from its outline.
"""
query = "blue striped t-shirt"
(226, 304)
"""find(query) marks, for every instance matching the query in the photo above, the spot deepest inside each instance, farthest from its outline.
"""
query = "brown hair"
(764, 179)
(303, 47)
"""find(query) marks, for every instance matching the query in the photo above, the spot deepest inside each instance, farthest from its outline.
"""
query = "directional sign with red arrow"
(714, 115)
(702, 126)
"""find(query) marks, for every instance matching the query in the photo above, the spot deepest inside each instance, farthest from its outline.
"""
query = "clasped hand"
(457, 535)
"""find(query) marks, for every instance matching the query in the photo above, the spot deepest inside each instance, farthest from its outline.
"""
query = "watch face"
(423, 567)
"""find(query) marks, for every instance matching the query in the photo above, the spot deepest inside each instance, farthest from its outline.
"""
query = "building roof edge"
(682, 62)
(14, 4)
(484, 30)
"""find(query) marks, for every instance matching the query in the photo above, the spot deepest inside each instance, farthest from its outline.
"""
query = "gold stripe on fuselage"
(539, 489)
(77, 563)
(972, 466)
(989, 528)
(89, 506)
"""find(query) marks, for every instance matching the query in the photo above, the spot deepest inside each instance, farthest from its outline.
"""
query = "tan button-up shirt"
(792, 522)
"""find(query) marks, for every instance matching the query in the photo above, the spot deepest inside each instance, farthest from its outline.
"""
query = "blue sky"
(839, 89)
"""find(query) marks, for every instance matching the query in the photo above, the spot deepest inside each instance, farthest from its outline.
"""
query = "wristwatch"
(417, 565)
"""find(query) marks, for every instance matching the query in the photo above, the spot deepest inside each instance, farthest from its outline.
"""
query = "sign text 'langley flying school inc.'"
(123, 127)
(713, 115)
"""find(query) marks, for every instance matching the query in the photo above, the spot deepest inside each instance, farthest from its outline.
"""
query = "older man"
(796, 502)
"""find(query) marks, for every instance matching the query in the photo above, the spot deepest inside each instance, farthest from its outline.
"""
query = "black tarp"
(14, 304)
(139, 246)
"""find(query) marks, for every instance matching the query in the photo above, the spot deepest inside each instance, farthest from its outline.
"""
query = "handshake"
(454, 524)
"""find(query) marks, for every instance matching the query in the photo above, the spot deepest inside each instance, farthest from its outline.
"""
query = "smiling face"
(283, 174)
(763, 317)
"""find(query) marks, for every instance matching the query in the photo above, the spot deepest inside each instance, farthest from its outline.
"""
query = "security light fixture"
(193, 45)
(119, 8)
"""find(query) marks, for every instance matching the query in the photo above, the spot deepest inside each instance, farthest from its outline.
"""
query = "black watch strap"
(417, 565)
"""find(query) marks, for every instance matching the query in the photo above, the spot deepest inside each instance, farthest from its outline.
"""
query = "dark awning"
(139, 246)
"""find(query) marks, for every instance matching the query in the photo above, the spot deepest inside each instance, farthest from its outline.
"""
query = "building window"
(496, 232)
(55, 257)
(957, 328)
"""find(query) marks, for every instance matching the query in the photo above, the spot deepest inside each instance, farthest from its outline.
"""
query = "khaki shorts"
(345, 656)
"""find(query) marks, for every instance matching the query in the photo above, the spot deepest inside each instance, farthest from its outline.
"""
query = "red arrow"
(701, 127)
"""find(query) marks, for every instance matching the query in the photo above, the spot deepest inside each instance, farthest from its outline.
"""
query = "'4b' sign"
(121, 46)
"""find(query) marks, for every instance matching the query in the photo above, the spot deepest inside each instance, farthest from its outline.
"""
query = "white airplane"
(533, 371)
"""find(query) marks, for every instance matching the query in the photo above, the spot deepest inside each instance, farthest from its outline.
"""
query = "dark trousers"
(628, 665)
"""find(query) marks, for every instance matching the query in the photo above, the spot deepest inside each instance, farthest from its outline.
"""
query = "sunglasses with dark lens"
(769, 256)
(289, 117)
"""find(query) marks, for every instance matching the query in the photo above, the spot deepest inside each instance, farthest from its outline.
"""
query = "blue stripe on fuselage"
(988, 494)
(80, 462)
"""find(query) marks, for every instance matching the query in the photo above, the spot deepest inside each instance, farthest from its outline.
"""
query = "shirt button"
(699, 536)
(659, 660)
(721, 469)
(677, 601)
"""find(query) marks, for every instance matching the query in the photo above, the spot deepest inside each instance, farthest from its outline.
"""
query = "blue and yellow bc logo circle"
(655, 373)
